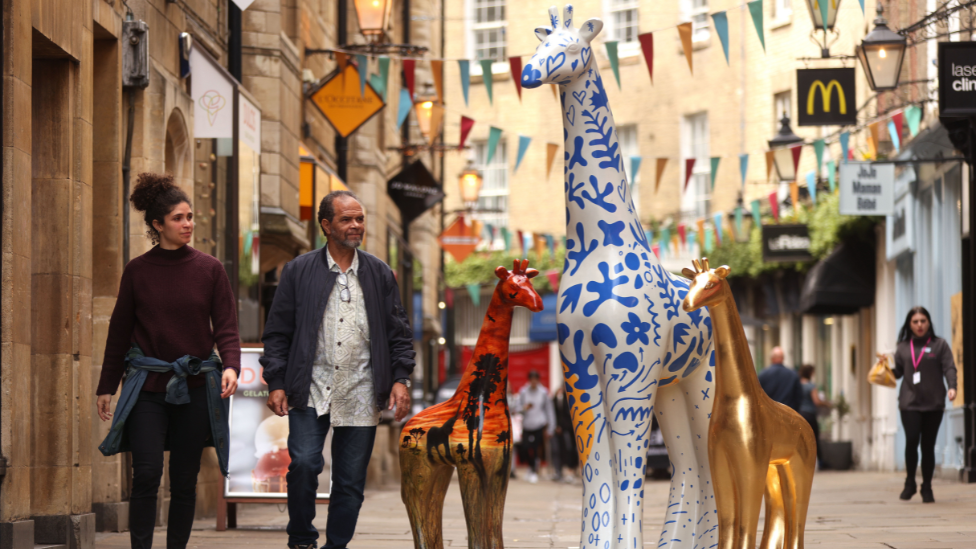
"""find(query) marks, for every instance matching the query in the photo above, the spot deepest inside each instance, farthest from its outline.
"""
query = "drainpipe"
(342, 37)
(126, 170)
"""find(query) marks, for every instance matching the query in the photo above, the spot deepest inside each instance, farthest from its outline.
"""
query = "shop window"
(623, 17)
(695, 200)
(488, 30)
(782, 10)
(696, 11)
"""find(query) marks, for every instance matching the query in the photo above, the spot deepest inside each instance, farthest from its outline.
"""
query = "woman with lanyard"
(175, 305)
(923, 359)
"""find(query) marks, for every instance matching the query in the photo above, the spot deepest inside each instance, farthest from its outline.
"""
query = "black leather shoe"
(309, 546)
(909, 490)
(927, 496)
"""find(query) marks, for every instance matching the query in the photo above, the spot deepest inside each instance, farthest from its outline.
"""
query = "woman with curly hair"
(175, 305)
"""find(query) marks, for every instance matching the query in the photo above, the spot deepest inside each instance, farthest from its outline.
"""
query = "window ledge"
(498, 67)
(628, 49)
(780, 22)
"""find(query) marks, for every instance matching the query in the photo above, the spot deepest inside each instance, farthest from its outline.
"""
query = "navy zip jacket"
(292, 329)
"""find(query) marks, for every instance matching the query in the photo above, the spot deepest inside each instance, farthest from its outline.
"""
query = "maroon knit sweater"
(167, 302)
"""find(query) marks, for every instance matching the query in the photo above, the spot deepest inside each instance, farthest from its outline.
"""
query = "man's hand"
(400, 398)
(104, 407)
(228, 383)
(952, 394)
(278, 402)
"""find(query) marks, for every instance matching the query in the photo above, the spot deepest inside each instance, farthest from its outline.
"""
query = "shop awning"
(842, 283)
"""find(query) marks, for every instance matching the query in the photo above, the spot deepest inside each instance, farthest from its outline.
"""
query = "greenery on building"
(479, 268)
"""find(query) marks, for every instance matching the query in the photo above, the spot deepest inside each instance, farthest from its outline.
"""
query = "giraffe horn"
(516, 269)
(705, 259)
(568, 16)
(525, 265)
(554, 17)
(697, 265)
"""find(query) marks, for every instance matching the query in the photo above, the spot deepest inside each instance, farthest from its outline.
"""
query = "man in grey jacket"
(538, 420)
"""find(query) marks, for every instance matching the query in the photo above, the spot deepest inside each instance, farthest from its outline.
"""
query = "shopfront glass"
(249, 312)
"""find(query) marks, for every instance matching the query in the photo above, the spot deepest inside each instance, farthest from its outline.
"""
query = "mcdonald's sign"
(826, 97)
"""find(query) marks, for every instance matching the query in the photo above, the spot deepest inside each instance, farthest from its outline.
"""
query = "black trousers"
(149, 426)
(533, 443)
(811, 418)
(924, 426)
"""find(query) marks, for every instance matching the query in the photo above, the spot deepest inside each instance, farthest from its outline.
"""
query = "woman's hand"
(228, 383)
(952, 394)
(104, 406)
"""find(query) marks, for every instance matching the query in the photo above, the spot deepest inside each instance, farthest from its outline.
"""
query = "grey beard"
(351, 244)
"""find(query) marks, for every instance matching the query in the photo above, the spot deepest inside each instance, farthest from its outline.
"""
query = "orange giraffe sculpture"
(754, 442)
(471, 432)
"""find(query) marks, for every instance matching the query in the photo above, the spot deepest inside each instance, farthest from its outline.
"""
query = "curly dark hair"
(327, 209)
(156, 195)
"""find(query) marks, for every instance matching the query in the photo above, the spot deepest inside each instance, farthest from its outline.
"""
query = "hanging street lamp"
(881, 53)
(824, 15)
(430, 114)
(470, 182)
(374, 17)
(782, 147)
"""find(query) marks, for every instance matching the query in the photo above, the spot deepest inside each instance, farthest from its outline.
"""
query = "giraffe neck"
(735, 373)
(492, 339)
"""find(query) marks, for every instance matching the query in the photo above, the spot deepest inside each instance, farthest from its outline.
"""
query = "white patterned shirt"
(342, 379)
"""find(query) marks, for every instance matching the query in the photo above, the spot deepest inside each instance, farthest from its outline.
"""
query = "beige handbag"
(881, 373)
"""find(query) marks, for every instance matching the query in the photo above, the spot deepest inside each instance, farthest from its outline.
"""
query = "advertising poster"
(259, 440)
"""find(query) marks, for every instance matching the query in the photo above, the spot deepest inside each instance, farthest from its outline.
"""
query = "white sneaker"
(533, 478)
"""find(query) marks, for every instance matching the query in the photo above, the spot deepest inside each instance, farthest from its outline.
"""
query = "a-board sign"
(867, 188)
(786, 243)
(259, 440)
(957, 79)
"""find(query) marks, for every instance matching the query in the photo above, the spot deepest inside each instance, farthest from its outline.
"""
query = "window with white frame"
(494, 189)
(629, 148)
(488, 29)
(695, 200)
(782, 105)
(782, 10)
(623, 18)
(696, 11)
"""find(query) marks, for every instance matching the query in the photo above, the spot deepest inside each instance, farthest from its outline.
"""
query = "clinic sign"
(826, 97)
(867, 188)
(957, 79)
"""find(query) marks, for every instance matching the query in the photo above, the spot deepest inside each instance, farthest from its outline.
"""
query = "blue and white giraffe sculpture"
(628, 348)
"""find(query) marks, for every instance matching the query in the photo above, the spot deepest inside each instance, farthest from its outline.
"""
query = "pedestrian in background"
(337, 348)
(537, 416)
(925, 360)
(175, 304)
(781, 383)
(811, 402)
(563, 446)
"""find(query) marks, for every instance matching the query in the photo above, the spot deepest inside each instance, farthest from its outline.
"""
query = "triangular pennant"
(409, 73)
(774, 205)
(893, 133)
(466, 125)
(913, 115)
(692, 238)
(661, 164)
(488, 78)
(701, 227)
(845, 140)
(795, 150)
(647, 47)
(738, 223)
(899, 119)
(363, 65)
(437, 71)
(551, 242)
(474, 290)
(523, 146)
(795, 196)
(507, 238)
(875, 130)
(709, 241)
(812, 186)
(721, 22)
(862, 6)
(540, 246)
(666, 239)
(405, 106)
(551, 150)
(718, 217)
(614, 62)
(824, 10)
(553, 276)
(818, 149)
(494, 135)
(682, 234)
(384, 66)
(464, 67)
(515, 64)
(715, 161)
(635, 162)
(378, 84)
(743, 169)
(831, 175)
(436, 118)
(342, 59)
(756, 215)
(684, 31)
(770, 162)
(756, 10)
(657, 251)
(689, 165)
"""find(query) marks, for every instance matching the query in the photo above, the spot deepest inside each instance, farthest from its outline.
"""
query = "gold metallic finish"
(756, 446)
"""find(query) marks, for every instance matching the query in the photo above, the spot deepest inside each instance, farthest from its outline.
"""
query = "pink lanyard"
(920, 355)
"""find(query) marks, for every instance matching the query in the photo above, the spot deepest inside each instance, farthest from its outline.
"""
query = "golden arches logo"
(825, 93)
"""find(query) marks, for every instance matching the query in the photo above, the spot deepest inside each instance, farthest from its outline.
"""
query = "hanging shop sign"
(786, 243)
(249, 124)
(826, 97)
(414, 190)
(867, 189)
(957, 79)
(899, 227)
(213, 97)
(341, 102)
(459, 240)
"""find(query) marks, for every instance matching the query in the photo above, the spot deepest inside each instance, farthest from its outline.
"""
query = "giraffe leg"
(680, 518)
(801, 467)
(750, 487)
(424, 487)
(776, 526)
(726, 497)
(483, 495)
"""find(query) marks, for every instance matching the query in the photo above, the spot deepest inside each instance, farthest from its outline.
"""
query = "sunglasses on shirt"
(344, 294)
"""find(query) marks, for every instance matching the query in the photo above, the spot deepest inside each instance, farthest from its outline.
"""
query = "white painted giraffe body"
(628, 349)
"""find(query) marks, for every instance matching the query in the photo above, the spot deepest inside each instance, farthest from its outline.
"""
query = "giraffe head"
(707, 286)
(515, 288)
(565, 54)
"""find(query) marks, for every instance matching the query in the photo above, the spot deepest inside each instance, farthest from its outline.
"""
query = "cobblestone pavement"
(848, 510)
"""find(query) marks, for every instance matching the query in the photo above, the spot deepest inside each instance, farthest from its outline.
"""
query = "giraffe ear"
(542, 33)
(501, 272)
(688, 273)
(590, 28)
(531, 273)
(723, 271)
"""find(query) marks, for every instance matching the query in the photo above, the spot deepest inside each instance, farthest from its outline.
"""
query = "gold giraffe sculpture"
(755, 444)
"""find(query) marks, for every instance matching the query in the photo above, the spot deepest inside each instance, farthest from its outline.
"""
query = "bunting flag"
(893, 132)
(657, 251)
(913, 115)
(362, 63)
(474, 290)
(774, 205)
(756, 10)
(684, 31)
(551, 242)
(647, 48)
(875, 131)
(756, 215)
(692, 238)
(551, 150)
(718, 226)
(661, 164)
(409, 72)
(540, 246)
(738, 223)
(521, 242)
(635, 163)
(378, 84)
(862, 7)
(689, 165)
(720, 21)
(824, 9)
(490, 229)
(488, 78)
(715, 161)
(796, 150)
(527, 243)
(743, 169)
(384, 65)
(494, 135)
(701, 228)
(403, 109)
(524, 141)
(465, 68)
(553, 276)
(466, 125)
(507, 238)
(437, 71)
(832, 175)
(666, 239)
(845, 140)
(682, 235)
(674, 244)
(709, 241)
(819, 146)
(770, 161)
(795, 196)
(812, 186)
(342, 59)
(899, 119)
(515, 63)
(614, 62)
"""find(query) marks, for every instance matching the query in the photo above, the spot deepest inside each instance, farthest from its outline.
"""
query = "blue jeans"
(351, 449)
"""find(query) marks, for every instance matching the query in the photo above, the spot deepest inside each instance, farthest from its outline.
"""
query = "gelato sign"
(867, 189)
(957, 79)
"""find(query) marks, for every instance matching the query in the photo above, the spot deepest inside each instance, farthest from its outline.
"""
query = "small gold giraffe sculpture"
(755, 444)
